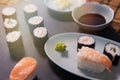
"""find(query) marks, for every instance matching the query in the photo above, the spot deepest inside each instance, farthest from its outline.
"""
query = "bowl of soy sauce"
(93, 16)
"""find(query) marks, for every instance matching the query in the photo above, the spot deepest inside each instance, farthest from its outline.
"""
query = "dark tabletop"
(55, 24)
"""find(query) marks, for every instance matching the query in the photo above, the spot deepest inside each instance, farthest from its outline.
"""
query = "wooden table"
(115, 5)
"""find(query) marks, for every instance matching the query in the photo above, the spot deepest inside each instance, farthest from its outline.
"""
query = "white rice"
(30, 8)
(90, 66)
(8, 11)
(91, 60)
(10, 23)
(36, 20)
(63, 4)
(110, 46)
(13, 36)
(86, 40)
(40, 32)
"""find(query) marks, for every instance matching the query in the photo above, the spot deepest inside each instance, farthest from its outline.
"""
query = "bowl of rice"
(63, 6)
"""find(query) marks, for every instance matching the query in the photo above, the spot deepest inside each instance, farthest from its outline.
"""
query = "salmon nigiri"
(23, 69)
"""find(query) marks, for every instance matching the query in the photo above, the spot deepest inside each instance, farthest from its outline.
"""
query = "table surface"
(55, 24)
(115, 5)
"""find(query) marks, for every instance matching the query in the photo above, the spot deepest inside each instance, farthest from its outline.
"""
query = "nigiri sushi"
(92, 60)
(24, 69)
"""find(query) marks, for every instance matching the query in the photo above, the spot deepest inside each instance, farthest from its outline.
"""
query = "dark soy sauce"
(92, 19)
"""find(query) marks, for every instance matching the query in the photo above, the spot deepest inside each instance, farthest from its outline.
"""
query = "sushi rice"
(92, 60)
(85, 40)
(113, 49)
(113, 52)
(40, 32)
(30, 8)
(36, 20)
(13, 36)
(10, 23)
(8, 11)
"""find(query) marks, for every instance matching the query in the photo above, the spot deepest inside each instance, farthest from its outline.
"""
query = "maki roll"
(9, 12)
(35, 22)
(13, 36)
(15, 44)
(30, 10)
(10, 24)
(113, 52)
(87, 41)
(40, 34)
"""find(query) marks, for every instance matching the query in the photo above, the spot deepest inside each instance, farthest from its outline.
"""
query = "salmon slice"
(23, 69)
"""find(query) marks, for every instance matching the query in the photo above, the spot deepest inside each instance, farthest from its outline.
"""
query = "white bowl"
(93, 7)
(51, 5)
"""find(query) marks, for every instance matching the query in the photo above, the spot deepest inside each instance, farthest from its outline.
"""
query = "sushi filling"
(13, 36)
(86, 41)
(113, 52)
(113, 49)
(10, 23)
(30, 8)
(8, 11)
(40, 32)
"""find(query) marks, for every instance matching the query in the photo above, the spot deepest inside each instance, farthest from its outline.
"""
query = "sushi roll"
(13, 36)
(24, 70)
(113, 52)
(40, 36)
(9, 12)
(15, 45)
(10, 24)
(30, 10)
(85, 41)
(40, 32)
(91, 60)
(35, 22)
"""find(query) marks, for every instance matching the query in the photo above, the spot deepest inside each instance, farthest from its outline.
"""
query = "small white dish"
(62, 6)
(93, 7)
